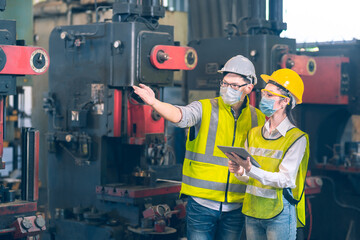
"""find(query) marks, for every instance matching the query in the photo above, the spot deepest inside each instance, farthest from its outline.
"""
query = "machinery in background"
(254, 37)
(330, 101)
(108, 152)
(18, 208)
(108, 155)
(331, 115)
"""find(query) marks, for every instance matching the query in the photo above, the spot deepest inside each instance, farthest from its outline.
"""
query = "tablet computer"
(242, 152)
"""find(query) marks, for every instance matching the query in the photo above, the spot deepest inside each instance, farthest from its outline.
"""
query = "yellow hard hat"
(290, 80)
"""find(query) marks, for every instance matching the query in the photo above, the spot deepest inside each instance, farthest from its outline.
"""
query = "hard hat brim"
(267, 78)
(254, 81)
(225, 71)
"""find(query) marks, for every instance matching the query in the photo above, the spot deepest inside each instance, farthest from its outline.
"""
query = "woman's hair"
(289, 107)
(289, 112)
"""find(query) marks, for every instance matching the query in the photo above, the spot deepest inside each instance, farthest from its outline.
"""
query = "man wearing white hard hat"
(215, 195)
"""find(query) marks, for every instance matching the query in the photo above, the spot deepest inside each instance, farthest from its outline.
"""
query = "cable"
(95, 3)
(97, 11)
(335, 198)
(310, 216)
(152, 25)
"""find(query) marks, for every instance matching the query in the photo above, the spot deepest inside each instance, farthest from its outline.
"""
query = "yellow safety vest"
(205, 169)
(266, 202)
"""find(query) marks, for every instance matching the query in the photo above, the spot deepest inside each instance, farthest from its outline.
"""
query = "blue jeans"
(207, 224)
(280, 227)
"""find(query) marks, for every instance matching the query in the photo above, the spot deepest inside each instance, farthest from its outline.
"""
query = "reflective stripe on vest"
(277, 154)
(204, 158)
(214, 119)
(203, 184)
(261, 192)
(213, 185)
(210, 143)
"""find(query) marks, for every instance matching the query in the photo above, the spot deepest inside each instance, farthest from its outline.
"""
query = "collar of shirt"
(243, 105)
(282, 128)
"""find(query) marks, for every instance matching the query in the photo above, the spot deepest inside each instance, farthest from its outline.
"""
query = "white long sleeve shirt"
(289, 166)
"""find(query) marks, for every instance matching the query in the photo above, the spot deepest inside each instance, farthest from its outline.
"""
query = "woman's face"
(280, 102)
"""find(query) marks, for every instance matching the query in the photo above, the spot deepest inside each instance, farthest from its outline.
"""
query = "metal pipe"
(136, 2)
(276, 10)
(242, 9)
(258, 9)
(146, 3)
(97, 11)
(69, 16)
(7, 230)
(154, 3)
(4, 116)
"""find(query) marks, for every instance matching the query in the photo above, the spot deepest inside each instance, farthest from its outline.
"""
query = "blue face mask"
(230, 96)
(266, 106)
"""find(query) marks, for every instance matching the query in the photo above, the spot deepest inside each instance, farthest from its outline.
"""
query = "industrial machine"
(18, 205)
(331, 116)
(111, 173)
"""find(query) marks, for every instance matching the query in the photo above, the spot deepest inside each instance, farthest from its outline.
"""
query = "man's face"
(235, 81)
(234, 88)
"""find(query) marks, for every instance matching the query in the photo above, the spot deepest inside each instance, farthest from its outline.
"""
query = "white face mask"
(230, 96)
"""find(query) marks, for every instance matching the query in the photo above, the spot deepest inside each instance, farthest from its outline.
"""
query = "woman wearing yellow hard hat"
(274, 203)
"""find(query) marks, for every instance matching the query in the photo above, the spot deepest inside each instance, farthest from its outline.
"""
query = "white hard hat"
(242, 66)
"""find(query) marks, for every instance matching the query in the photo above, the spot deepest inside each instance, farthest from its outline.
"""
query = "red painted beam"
(173, 57)
(23, 60)
(17, 207)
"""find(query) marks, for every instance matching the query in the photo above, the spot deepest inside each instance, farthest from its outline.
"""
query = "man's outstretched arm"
(166, 110)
